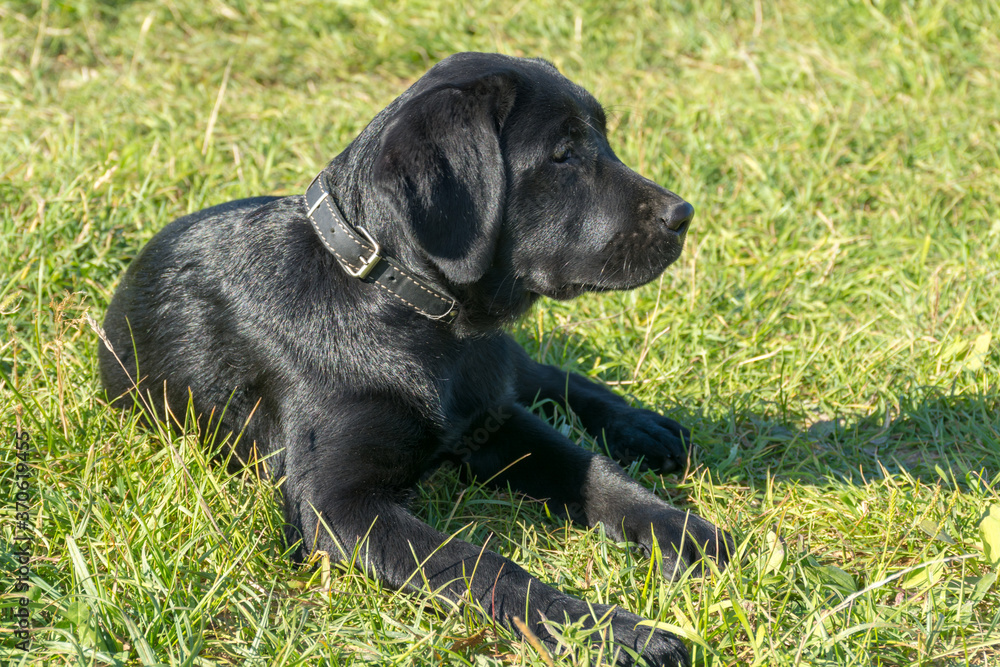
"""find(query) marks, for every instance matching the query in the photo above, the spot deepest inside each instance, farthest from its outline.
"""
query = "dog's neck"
(487, 306)
(361, 256)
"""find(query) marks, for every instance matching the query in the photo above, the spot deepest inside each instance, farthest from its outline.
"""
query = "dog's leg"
(405, 553)
(354, 514)
(631, 433)
(526, 453)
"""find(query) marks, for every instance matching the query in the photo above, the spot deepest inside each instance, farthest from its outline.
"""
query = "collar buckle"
(367, 264)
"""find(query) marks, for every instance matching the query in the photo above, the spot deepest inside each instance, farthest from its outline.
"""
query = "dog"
(354, 337)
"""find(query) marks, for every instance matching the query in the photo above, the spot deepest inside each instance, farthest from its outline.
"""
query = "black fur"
(492, 179)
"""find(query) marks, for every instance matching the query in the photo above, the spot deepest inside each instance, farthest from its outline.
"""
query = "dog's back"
(160, 305)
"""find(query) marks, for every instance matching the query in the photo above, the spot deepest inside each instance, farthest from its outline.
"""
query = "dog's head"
(500, 173)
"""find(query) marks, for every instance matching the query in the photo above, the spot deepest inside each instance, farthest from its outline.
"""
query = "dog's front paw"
(656, 647)
(627, 639)
(684, 539)
(634, 434)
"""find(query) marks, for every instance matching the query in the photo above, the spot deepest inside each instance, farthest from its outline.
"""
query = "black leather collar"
(361, 256)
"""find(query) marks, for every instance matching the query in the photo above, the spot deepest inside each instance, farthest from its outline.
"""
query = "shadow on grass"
(930, 434)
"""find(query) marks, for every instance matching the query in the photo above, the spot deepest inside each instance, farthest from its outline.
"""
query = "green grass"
(831, 334)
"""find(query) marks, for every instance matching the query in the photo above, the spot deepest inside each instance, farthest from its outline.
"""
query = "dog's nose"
(678, 216)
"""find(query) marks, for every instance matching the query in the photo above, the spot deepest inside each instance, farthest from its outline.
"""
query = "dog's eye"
(563, 153)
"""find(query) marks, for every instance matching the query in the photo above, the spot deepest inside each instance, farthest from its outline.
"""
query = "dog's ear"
(441, 163)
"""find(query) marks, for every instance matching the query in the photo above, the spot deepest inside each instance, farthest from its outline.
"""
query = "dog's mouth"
(572, 290)
(625, 264)
(606, 283)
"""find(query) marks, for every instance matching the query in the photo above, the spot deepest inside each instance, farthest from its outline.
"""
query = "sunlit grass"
(831, 334)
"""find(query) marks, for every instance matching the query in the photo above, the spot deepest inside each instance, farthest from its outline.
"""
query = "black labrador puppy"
(355, 337)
